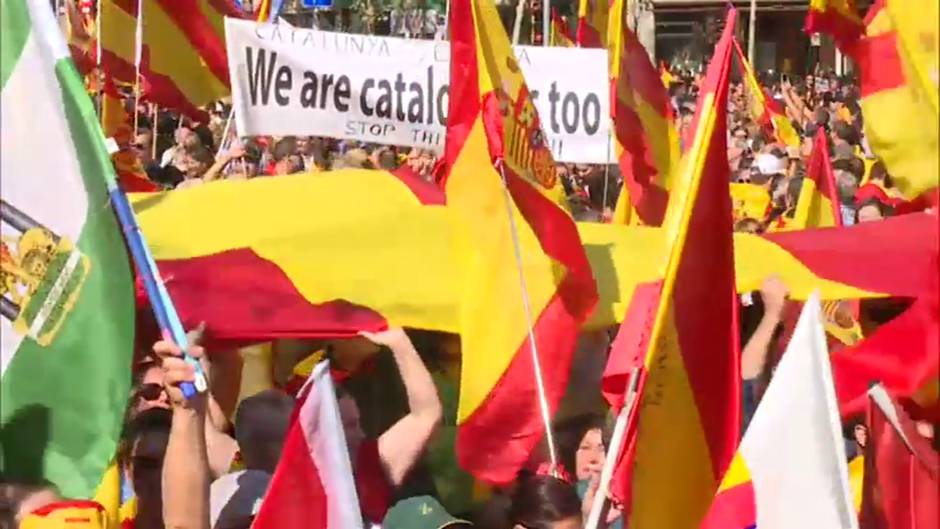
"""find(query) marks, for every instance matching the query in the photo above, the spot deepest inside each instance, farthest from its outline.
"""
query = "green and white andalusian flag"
(67, 307)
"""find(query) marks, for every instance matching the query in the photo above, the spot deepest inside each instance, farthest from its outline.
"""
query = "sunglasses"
(150, 391)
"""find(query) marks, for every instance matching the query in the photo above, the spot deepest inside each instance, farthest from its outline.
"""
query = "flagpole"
(228, 125)
(533, 348)
(751, 30)
(546, 20)
(138, 52)
(153, 131)
(163, 309)
(607, 165)
(98, 34)
(613, 451)
(517, 23)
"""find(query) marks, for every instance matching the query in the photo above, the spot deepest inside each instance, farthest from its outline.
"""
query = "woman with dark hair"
(545, 502)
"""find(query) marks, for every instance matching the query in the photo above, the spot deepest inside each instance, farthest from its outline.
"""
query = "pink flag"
(312, 487)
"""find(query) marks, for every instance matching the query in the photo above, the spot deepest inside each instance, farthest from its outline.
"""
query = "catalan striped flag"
(764, 109)
(790, 470)
(183, 59)
(498, 175)
(818, 203)
(592, 23)
(647, 143)
(838, 18)
(561, 34)
(689, 396)
(890, 87)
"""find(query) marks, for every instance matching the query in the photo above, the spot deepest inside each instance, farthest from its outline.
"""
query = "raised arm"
(754, 357)
(186, 464)
(402, 444)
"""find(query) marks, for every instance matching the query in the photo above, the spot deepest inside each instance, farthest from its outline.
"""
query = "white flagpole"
(613, 451)
(98, 34)
(539, 381)
(546, 21)
(138, 53)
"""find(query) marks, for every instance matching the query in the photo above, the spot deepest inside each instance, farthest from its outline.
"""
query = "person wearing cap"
(421, 512)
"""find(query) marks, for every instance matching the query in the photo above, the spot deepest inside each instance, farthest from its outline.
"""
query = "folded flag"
(183, 60)
(314, 470)
(790, 469)
(498, 177)
(902, 470)
(67, 301)
(685, 426)
(764, 109)
(592, 23)
(646, 141)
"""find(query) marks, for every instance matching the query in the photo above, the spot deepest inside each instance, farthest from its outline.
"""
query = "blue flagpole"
(163, 308)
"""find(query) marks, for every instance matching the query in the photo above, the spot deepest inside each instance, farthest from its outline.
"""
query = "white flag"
(790, 470)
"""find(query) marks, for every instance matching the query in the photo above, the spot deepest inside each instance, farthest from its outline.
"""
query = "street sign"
(314, 4)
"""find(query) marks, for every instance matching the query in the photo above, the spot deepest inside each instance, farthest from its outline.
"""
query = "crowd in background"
(236, 445)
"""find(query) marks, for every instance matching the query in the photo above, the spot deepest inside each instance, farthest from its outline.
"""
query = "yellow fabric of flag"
(891, 87)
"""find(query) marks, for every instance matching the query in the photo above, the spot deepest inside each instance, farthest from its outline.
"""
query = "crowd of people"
(219, 453)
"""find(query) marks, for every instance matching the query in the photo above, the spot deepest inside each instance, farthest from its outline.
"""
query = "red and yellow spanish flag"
(902, 355)
(818, 203)
(689, 391)
(765, 111)
(918, 25)
(838, 18)
(498, 172)
(561, 34)
(592, 23)
(80, 35)
(891, 87)
(183, 58)
(647, 144)
(264, 11)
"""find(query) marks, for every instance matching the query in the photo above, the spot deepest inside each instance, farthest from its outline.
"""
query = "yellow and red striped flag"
(765, 111)
(838, 18)
(646, 140)
(264, 11)
(81, 35)
(689, 391)
(890, 87)
(918, 25)
(498, 173)
(818, 203)
(592, 24)
(561, 34)
(183, 58)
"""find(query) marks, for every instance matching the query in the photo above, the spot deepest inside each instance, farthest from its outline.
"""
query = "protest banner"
(297, 81)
